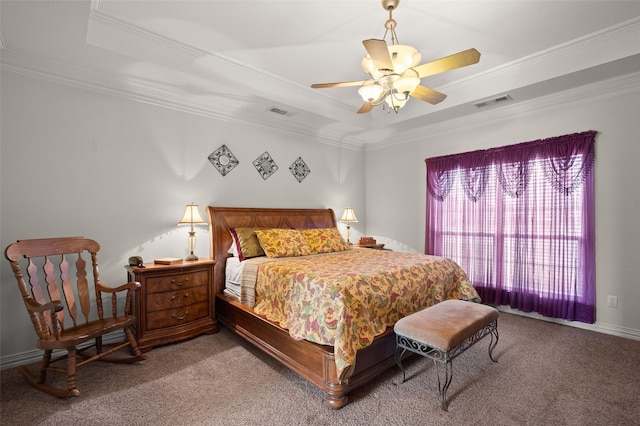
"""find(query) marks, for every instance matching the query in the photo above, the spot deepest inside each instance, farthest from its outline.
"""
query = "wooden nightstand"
(371, 246)
(175, 302)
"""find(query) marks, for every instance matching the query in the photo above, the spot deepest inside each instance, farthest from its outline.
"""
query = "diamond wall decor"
(299, 169)
(265, 165)
(223, 160)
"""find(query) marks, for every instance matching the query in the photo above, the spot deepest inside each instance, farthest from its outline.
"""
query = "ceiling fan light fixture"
(394, 103)
(370, 68)
(370, 92)
(406, 85)
(404, 57)
(396, 70)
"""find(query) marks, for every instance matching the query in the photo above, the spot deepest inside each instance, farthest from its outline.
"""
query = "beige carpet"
(547, 374)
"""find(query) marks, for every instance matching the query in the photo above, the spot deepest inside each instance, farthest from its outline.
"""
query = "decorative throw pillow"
(247, 243)
(324, 240)
(280, 242)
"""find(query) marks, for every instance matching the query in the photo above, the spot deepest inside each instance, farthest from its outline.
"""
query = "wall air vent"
(500, 99)
(278, 111)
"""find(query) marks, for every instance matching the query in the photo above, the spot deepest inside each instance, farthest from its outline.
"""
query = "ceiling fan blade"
(448, 63)
(379, 53)
(366, 107)
(428, 95)
(340, 84)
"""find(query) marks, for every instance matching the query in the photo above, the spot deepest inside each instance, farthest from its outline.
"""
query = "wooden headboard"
(222, 219)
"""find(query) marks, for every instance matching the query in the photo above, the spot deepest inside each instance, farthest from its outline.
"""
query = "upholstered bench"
(444, 331)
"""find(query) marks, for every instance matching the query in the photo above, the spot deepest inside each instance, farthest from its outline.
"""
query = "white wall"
(77, 162)
(395, 198)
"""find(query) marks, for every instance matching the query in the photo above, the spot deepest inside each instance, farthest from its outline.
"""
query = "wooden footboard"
(313, 362)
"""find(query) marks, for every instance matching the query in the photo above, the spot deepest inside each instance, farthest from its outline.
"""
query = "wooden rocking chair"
(53, 307)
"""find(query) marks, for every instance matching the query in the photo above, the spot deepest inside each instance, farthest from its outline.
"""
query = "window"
(520, 222)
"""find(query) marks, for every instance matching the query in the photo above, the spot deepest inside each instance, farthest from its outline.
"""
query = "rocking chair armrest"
(131, 286)
(53, 306)
(130, 289)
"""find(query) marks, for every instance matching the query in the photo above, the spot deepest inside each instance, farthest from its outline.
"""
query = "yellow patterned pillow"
(280, 242)
(324, 240)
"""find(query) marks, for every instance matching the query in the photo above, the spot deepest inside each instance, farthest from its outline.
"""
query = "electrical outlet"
(612, 301)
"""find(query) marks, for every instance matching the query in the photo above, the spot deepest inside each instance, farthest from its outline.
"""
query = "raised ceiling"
(238, 60)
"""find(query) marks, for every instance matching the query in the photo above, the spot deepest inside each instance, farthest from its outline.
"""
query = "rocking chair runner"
(53, 307)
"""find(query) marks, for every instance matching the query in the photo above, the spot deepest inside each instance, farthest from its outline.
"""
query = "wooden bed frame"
(312, 361)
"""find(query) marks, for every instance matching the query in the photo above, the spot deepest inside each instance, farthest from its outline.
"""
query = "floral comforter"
(345, 299)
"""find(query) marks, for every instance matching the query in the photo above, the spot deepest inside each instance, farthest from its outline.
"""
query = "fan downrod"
(390, 4)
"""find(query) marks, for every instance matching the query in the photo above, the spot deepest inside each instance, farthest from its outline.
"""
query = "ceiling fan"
(396, 71)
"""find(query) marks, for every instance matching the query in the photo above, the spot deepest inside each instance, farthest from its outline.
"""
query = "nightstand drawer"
(176, 281)
(177, 316)
(176, 299)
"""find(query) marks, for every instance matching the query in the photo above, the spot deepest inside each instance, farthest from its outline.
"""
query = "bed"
(346, 359)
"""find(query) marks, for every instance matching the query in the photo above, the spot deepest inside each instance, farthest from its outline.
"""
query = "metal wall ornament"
(223, 160)
(265, 165)
(299, 169)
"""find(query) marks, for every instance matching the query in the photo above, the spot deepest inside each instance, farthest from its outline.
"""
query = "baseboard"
(598, 327)
(35, 355)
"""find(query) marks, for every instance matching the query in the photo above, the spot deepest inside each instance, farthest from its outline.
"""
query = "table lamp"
(191, 217)
(348, 217)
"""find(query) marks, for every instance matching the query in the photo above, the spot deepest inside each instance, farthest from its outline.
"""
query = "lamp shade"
(370, 92)
(403, 57)
(395, 103)
(348, 216)
(192, 216)
(370, 68)
(406, 85)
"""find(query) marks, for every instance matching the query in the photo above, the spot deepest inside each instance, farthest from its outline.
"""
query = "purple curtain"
(520, 220)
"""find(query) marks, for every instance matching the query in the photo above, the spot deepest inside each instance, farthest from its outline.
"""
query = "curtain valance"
(567, 160)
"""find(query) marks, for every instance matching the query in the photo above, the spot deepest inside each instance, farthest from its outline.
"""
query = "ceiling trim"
(57, 73)
(272, 85)
(627, 30)
(145, 91)
(605, 89)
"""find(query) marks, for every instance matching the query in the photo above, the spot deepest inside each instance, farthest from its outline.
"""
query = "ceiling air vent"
(278, 111)
(494, 101)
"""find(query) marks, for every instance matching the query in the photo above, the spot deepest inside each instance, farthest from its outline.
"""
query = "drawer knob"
(179, 283)
(180, 317)
(185, 295)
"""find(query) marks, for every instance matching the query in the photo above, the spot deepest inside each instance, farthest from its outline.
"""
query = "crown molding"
(146, 93)
(142, 91)
(158, 95)
(624, 30)
(605, 89)
(276, 83)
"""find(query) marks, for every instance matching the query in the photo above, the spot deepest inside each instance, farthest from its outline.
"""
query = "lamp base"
(191, 243)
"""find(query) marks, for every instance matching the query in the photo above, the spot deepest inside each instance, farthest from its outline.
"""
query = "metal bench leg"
(399, 354)
(443, 387)
(494, 342)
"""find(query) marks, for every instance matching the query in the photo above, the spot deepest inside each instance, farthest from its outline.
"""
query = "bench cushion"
(446, 324)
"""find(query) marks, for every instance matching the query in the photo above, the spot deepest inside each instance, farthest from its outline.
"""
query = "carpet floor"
(547, 374)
